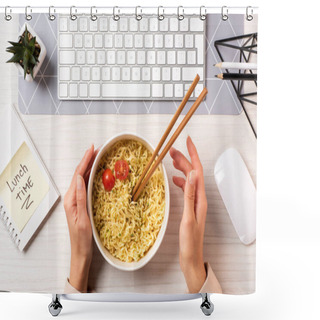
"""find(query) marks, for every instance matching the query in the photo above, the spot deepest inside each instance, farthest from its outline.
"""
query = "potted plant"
(28, 53)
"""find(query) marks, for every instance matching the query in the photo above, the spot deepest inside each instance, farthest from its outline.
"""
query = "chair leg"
(207, 306)
(55, 306)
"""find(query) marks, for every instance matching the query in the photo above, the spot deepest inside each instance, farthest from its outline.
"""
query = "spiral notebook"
(27, 192)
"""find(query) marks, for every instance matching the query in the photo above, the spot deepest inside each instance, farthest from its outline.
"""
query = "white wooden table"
(62, 141)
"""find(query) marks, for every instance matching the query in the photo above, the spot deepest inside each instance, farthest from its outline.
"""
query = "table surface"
(61, 142)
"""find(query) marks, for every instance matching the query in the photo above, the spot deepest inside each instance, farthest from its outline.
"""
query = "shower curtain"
(70, 157)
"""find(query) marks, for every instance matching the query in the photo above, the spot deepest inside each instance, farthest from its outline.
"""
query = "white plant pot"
(41, 57)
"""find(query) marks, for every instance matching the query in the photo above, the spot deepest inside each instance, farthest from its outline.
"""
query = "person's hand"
(194, 216)
(80, 231)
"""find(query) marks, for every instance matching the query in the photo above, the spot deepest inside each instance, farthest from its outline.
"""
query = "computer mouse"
(238, 193)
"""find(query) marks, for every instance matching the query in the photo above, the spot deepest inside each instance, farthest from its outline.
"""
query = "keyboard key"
(157, 90)
(63, 90)
(91, 57)
(131, 57)
(123, 24)
(103, 24)
(151, 57)
(121, 57)
(75, 73)
(156, 74)
(166, 74)
(198, 89)
(181, 57)
(143, 23)
(88, 43)
(64, 73)
(178, 90)
(105, 73)
(113, 25)
(138, 40)
(118, 41)
(83, 24)
(168, 41)
(98, 40)
(176, 74)
(164, 25)
(63, 24)
(125, 74)
(168, 90)
(153, 24)
(65, 41)
(184, 24)
(83, 90)
(115, 74)
(111, 57)
(73, 25)
(199, 44)
(188, 74)
(178, 40)
(133, 24)
(128, 41)
(146, 74)
(174, 24)
(101, 57)
(73, 90)
(67, 57)
(141, 57)
(171, 57)
(121, 90)
(188, 40)
(161, 57)
(95, 73)
(93, 25)
(108, 41)
(191, 57)
(94, 90)
(85, 73)
(158, 41)
(148, 41)
(196, 24)
(78, 40)
(81, 57)
(135, 74)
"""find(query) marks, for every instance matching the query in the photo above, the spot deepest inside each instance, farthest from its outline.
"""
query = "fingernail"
(79, 182)
(192, 177)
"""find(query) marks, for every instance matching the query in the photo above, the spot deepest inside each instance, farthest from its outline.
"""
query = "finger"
(92, 160)
(179, 182)
(195, 160)
(189, 196)
(180, 161)
(81, 197)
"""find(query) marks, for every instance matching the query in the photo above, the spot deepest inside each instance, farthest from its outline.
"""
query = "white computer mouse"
(238, 193)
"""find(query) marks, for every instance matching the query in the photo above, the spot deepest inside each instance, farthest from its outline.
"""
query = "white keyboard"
(150, 59)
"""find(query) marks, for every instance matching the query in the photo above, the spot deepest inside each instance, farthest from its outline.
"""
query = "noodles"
(128, 229)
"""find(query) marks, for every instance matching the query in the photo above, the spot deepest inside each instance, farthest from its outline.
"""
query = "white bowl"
(127, 266)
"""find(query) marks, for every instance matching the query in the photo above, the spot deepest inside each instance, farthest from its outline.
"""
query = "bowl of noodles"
(127, 233)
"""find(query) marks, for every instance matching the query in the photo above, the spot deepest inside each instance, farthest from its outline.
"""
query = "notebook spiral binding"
(116, 14)
(9, 226)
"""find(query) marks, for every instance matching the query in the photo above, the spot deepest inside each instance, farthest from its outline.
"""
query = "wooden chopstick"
(166, 133)
(171, 141)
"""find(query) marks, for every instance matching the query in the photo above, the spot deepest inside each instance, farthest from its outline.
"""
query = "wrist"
(195, 276)
(79, 272)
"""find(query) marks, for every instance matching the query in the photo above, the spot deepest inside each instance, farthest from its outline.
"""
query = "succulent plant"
(25, 52)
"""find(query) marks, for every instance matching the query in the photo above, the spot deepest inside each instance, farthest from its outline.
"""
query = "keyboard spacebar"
(122, 90)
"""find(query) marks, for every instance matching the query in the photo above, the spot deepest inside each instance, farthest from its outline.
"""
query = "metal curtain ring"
(28, 16)
(116, 17)
(138, 15)
(203, 13)
(249, 17)
(51, 15)
(180, 15)
(7, 16)
(224, 13)
(160, 15)
(72, 15)
(93, 16)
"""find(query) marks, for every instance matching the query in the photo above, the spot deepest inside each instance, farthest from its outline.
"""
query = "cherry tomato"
(108, 179)
(121, 169)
